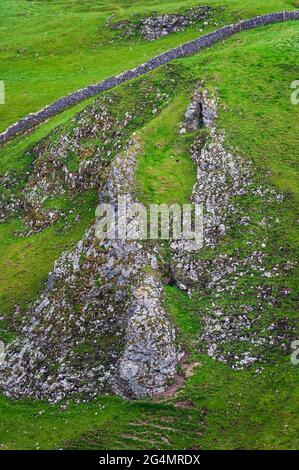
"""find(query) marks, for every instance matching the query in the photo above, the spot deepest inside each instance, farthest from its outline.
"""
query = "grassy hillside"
(218, 407)
(50, 48)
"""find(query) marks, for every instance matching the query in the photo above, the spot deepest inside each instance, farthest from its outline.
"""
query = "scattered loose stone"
(157, 26)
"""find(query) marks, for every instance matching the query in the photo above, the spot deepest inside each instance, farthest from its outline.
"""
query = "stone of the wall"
(182, 51)
(292, 15)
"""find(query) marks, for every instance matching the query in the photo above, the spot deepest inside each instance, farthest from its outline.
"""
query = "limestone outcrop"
(157, 26)
(101, 325)
(241, 329)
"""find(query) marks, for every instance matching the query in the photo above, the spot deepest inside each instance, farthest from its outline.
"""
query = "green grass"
(251, 73)
(38, 425)
(26, 262)
(165, 172)
(50, 48)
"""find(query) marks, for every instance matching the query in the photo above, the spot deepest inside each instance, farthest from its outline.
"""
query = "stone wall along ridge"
(189, 48)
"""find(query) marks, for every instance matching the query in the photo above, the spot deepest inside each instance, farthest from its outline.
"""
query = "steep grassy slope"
(49, 49)
(218, 407)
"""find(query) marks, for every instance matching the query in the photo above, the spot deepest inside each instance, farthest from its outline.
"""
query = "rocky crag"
(238, 329)
(101, 324)
(73, 159)
(156, 26)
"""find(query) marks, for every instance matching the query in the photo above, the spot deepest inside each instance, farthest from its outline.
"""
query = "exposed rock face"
(220, 175)
(101, 325)
(193, 115)
(72, 159)
(245, 324)
(10, 203)
(150, 356)
(157, 26)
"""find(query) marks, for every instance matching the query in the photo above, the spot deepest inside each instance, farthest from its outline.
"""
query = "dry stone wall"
(191, 47)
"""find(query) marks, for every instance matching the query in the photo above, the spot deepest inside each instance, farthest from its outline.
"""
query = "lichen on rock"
(156, 26)
(101, 325)
(240, 330)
